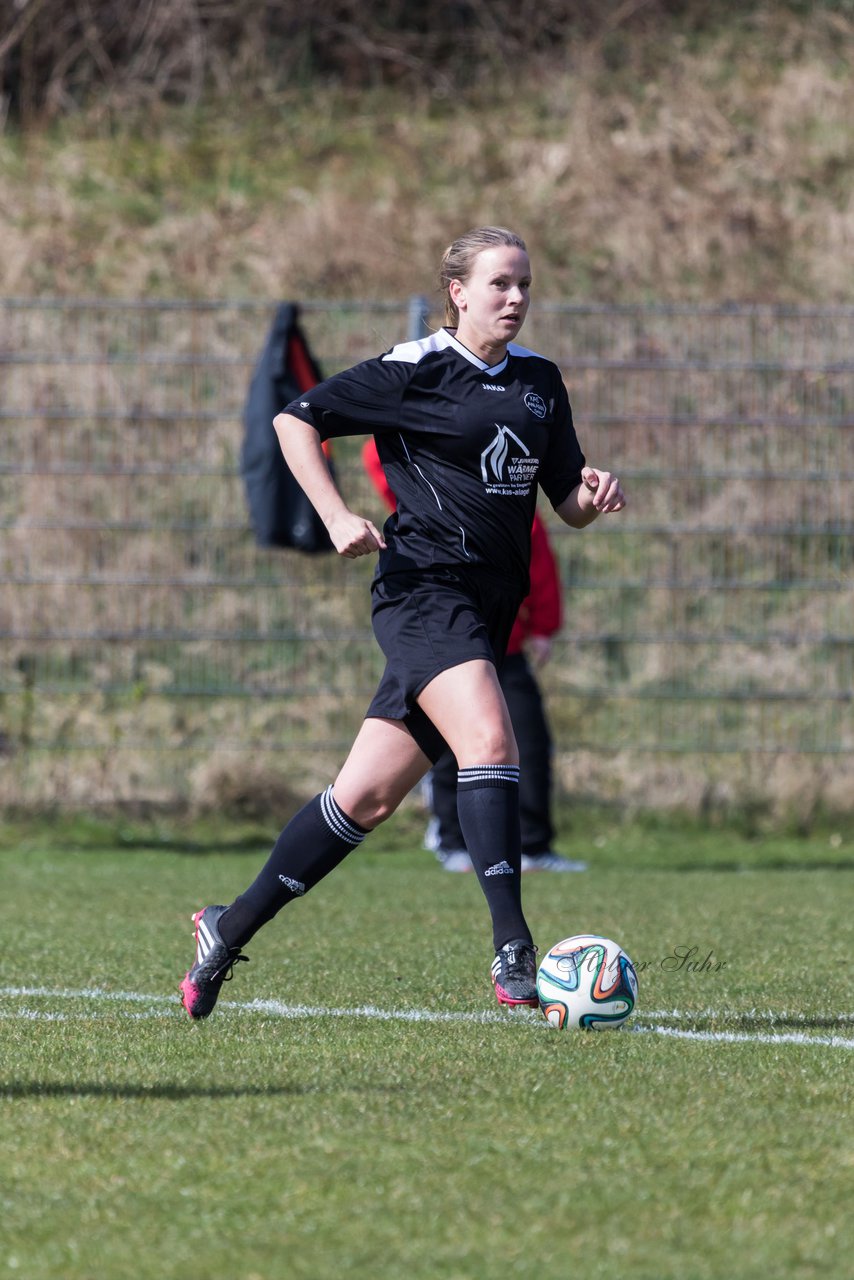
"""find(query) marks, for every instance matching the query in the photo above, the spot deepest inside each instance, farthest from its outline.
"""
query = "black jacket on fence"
(281, 514)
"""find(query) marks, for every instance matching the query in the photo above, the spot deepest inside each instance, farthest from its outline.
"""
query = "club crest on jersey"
(536, 404)
(506, 465)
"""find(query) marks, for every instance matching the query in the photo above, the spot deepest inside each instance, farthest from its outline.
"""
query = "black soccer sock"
(312, 844)
(488, 805)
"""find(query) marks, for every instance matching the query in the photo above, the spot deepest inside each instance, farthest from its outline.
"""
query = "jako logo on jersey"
(508, 471)
(492, 386)
(304, 404)
(499, 869)
(536, 404)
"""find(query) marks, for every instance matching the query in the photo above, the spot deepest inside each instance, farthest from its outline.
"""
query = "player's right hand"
(353, 536)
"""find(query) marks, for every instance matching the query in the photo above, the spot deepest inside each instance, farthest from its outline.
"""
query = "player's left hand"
(607, 492)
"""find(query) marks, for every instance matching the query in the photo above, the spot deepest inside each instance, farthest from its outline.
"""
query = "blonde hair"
(458, 259)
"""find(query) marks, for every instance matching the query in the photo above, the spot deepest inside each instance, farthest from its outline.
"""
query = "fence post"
(419, 313)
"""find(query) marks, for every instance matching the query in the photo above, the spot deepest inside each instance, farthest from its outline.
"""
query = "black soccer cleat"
(213, 966)
(514, 974)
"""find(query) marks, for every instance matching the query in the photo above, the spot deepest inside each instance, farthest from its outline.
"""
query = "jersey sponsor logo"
(499, 869)
(536, 404)
(506, 465)
(492, 386)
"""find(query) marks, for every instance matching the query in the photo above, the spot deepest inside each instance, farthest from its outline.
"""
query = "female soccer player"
(467, 425)
(539, 618)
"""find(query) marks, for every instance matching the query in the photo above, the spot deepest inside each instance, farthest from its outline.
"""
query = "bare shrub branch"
(55, 56)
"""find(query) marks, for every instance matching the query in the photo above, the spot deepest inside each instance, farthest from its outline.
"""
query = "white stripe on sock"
(337, 820)
(489, 773)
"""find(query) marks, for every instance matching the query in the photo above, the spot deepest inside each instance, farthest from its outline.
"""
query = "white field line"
(655, 1022)
(749, 1037)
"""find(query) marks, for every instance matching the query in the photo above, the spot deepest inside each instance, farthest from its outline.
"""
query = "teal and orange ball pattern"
(588, 983)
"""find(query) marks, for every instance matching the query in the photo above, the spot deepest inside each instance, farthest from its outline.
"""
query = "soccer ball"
(587, 982)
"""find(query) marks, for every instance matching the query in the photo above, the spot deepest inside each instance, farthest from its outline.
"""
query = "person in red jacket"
(529, 647)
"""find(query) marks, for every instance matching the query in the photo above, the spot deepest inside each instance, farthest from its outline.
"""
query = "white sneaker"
(550, 862)
(431, 836)
(457, 860)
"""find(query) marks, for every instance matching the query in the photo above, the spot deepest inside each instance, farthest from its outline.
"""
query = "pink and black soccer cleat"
(213, 966)
(514, 974)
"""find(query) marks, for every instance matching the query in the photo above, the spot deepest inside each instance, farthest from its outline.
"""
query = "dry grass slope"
(664, 160)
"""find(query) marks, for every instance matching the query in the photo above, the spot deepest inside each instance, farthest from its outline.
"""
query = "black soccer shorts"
(427, 621)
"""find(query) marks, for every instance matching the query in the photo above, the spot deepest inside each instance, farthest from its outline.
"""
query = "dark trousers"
(525, 704)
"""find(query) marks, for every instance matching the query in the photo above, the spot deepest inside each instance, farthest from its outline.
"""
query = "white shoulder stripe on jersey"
(414, 351)
(514, 349)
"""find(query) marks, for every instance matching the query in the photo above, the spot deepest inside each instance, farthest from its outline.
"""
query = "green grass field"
(359, 1107)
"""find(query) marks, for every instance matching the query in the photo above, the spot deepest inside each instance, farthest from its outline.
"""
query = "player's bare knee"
(371, 810)
(489, 747)
(381, 811)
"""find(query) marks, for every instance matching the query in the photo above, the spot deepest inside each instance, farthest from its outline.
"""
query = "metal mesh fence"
(148, 646)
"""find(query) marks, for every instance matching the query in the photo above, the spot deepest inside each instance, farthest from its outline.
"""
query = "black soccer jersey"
(463, 446)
